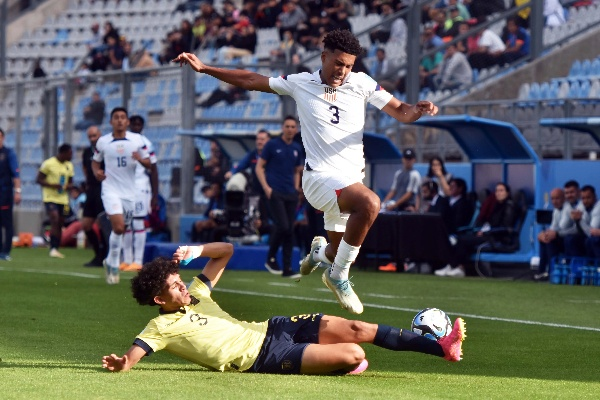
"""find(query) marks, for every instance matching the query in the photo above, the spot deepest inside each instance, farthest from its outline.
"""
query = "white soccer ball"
(432, 323)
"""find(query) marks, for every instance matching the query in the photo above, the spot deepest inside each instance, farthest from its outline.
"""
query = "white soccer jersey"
(332, 119)
(142, 180)
(119, 165)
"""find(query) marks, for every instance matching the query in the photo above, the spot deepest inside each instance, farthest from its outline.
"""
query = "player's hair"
(264, 131)
(290, 118)
(151, 280)
(572, 183)
(64, 148)
(343, 40)
(137, 118)
(117, 109)
(589, 188)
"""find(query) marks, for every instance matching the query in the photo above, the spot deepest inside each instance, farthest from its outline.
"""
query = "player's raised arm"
(219, 253)
(115, 363)
(408, 113)
(238, 77)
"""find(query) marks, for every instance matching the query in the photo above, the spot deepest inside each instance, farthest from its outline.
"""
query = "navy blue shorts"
(287, 337)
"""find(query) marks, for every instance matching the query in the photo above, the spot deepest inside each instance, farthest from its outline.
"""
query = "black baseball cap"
(408, 153)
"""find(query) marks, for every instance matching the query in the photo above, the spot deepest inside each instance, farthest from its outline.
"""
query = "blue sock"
(398, 339)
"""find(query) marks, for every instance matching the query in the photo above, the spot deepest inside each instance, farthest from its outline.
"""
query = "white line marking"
(51, 272)
(384, 307)
(379, 306)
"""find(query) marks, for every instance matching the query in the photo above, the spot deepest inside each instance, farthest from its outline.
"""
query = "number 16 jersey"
(332, 119)
(119, 165)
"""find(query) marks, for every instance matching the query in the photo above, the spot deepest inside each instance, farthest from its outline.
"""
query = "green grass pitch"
(525, 340)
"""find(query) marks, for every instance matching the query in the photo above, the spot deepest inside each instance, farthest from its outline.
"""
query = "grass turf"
(525, 340)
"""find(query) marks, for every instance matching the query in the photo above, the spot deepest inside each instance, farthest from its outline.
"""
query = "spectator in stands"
(172, 45)
(461, 207)
(430, 66)
(463, 11)
(381, 66)
(96, 41)
(434, 203)
(55, 176)
(225, 92)
(468, 45)
(481, 9)
(205, 24)
(516, 39)
(381, 33)
(291, 17)
(110, 32)
(490, 48)
(341, 21)
(452, 21)
(93, 113)
(187, 36)
(522, 17)
(10, 194)
(136, 59)
(278, 170)
(554, 13)
(114, 53)
(213, 170)
(575, 241)
(288, 47)
(404, 193)
(267, 13)
(309, 34)
(455, 71)
(231, 15)
(499, 228)
(37, 70)
(437, 173)
(240, 41)
(551, 242)
(439, 18)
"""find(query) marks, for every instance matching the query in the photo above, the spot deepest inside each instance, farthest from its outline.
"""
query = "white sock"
(116, 243)
(346, 254)
(128, 247)
(139, 241)
(321, 256)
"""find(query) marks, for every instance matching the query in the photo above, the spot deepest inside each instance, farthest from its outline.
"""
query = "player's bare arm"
(98, 171)
(238, 77)
(115, 363)
(408, 113)
(218, 252)
(144, 161)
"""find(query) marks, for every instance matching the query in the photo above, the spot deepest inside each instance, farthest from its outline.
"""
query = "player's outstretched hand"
(191, 59)
(426, 107)
(114, 363)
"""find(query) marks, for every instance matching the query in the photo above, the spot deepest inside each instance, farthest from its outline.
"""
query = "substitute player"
(191, 325)
(146, 186)
(331, 106)
(121, 151)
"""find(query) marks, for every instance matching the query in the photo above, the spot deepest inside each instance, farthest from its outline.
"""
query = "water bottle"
(564, 271)
(61, 182)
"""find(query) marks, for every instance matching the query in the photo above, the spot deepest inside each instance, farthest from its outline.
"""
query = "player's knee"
(118, 229)
(372, 205)
(354, 355)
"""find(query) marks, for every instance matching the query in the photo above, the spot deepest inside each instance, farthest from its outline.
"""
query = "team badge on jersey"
(120, 149)
(330, 93)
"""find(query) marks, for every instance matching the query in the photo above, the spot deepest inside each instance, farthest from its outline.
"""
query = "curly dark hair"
(151, 279)
(343, 40)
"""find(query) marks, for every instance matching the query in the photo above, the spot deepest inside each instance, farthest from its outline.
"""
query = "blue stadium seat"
(534, 91)
(575, 68)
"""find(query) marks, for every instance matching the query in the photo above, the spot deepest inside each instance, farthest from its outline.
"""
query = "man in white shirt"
(121, 151)
(146, 184)
(331, 105)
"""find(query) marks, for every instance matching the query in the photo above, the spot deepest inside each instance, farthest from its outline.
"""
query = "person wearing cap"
(403, 195)
(331, 104)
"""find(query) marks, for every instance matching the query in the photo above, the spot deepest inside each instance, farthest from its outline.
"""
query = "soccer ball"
(432, 323)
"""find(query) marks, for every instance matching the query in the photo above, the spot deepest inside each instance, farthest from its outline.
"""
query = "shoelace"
(345, 285)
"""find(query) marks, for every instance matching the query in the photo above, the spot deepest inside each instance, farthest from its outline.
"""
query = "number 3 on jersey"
(121, 161)
(336, 114)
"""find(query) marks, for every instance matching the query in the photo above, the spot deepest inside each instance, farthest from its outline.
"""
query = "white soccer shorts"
(142, 203)
(321, 190)
(114, 205)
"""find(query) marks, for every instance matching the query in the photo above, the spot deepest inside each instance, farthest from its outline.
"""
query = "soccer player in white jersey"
(146, 183)
(121, 151)
(331, 106)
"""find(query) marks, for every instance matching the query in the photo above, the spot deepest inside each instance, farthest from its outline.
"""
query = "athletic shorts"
(93, 204)
(286, 339)
(142, 203)
(59, 208)
(322, 189)
(114, 205)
